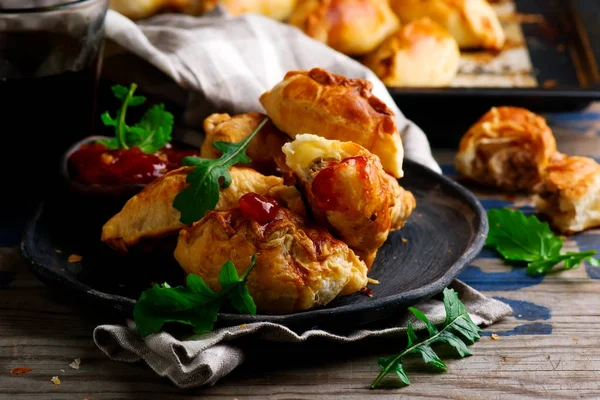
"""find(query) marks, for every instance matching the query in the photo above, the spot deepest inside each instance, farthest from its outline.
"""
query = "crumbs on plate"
(74, 258)
(55, 380)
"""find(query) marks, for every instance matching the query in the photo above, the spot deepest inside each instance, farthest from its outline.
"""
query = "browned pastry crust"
(139, 9)
(276, 9)
(569, 194)
(352, 27)
(473, 23)
(150, 213)
(421, 53)
(264, 149)
(298, 267)
(334, 107)
(349, 192)
(508, 148)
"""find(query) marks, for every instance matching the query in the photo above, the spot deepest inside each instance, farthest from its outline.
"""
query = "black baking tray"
(446, 113)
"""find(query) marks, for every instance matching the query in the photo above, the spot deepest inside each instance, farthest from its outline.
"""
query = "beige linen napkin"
(226, 64)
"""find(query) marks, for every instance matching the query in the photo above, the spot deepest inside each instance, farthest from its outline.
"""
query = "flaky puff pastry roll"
(334, 107)
(139, 9)
(150, 213)
(348, 191)
(352, 27)
(569, 194)
(421, 53)
(264, 149)
(276, 9)
(298, 267)
(508, 148)
(473, 23)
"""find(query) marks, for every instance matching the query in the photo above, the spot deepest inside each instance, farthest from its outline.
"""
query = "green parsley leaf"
(518, 237)
(150, 134)
(195, 304)
(209, 176)
(456, 329)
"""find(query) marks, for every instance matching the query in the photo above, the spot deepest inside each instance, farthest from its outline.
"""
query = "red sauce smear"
(20, 371)
(324, 184)
(96, 164)
(258, 208)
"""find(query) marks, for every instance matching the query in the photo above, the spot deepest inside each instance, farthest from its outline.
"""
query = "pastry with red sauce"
(150, 213)
(299, 266)
(349, 192)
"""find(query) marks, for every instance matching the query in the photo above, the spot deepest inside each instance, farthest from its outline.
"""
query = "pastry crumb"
(242, 326)
(58, 251)
(75, 364)
(495, 336)
(20, 371)
(55, 380)
(404, 240)
(372, 281)
(73, 258)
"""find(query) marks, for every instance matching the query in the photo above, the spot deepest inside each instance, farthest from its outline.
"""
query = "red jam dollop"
(96, 164)
(258, 208)
(327, 180)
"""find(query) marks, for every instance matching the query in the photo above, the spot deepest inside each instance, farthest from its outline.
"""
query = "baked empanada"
(298, 267)
(264, 149)
(328, 105)
(569, 194)
(348, 191)
(352, 27)
(139, 9)
(150, 213)
(508, 148)
(421, 53)
(276, 9)
(473, 23)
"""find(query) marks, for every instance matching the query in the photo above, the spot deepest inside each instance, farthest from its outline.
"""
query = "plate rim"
(126, 304)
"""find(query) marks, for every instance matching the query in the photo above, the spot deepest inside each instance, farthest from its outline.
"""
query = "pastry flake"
(569, 194)
(473, 23)
(421, 54)
(508, 148)
(334, 107)
(349, 192)
(352, 27)
(298, 267)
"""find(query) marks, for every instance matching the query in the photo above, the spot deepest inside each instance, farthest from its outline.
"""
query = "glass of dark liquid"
(50, 61)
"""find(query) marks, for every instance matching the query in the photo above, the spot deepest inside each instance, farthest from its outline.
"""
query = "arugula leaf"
(195, 304)
(150, 134)
(456, 329)
(520, 238)
(209, 176)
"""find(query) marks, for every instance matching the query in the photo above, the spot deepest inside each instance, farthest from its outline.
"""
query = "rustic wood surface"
(549, 348)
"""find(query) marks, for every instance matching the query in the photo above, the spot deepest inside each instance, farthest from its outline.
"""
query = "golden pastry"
(328, 105)
(276, 9)
(473, 23)
(569, 194)
(264, 149)
(150, 213)
(421, 53)
(348, 191)
(508, 148)
(298, 267)
(353, 27)
(139, 9)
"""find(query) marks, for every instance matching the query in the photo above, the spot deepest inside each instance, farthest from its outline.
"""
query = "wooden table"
(549, 348)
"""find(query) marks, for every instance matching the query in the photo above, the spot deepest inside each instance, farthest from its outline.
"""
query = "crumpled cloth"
(204, 359)
(226, 64)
